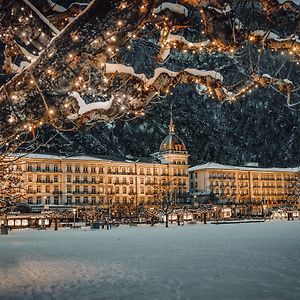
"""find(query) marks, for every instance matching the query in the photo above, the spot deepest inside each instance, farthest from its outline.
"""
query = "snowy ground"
(241, 261)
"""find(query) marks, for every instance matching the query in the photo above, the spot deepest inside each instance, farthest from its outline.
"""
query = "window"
(55, 168)
(29, 168)
(191, 175)
(100, 179)
(85, 189)
(93, 200)
(124, 190)
(38, 168)
(93, 179)
(117, 190)
(93, 190)
(47, 168)
(109, 180)
(77, 189)
(77, 200)
(142, 180)
(77, 178)
(55, 178)
(30, 178)
(38, 189)
(29, 201)
(109, 170)
(124, 180)
(69, 200)
(85, 200)
(69, 189)
(56, 200)
(131, 180)
(93, 169)
(47, 200)
(48, 178)
(56, 189)
(77, 168)
(85, 179)
(39, 200)
(69, 168)
(68, 178)
(47, 189)
(85, 169)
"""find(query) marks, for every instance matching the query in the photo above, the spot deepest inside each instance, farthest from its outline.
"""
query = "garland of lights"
(114, 90)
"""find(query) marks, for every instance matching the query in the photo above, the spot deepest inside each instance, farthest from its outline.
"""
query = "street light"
(216, 214)
(74, 215)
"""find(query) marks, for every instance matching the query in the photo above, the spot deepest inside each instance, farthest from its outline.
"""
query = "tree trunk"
(167, 220)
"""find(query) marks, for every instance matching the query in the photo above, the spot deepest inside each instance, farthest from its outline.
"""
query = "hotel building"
(62, 180)
(270, 187)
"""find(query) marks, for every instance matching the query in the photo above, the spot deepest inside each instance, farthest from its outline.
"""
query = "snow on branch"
(176, 8)
(272, 41)
(86, 108)
(42, 17)
(80, 76)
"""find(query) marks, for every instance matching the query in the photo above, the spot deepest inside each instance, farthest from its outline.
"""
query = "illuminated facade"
(271, 187)
(62, 180)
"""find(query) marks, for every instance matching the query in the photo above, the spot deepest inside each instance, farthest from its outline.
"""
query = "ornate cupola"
(172, 147)
(172, 143)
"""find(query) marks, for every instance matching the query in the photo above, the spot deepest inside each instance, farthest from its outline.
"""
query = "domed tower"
(172, 148)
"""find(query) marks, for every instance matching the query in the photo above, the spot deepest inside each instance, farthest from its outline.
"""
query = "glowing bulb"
(11, 120)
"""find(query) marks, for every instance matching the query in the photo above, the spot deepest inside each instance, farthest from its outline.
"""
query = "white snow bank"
(240, 261)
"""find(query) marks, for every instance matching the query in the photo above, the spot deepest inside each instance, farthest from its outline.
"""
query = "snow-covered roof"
(212, 165)
(149, 160)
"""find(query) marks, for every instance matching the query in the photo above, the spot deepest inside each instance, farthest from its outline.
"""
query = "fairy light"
(11, 119)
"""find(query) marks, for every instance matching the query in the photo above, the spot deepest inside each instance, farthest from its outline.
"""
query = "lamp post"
(216, 214)
(74, 215)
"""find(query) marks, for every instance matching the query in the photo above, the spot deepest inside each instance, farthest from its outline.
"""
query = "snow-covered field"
(241, 261)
